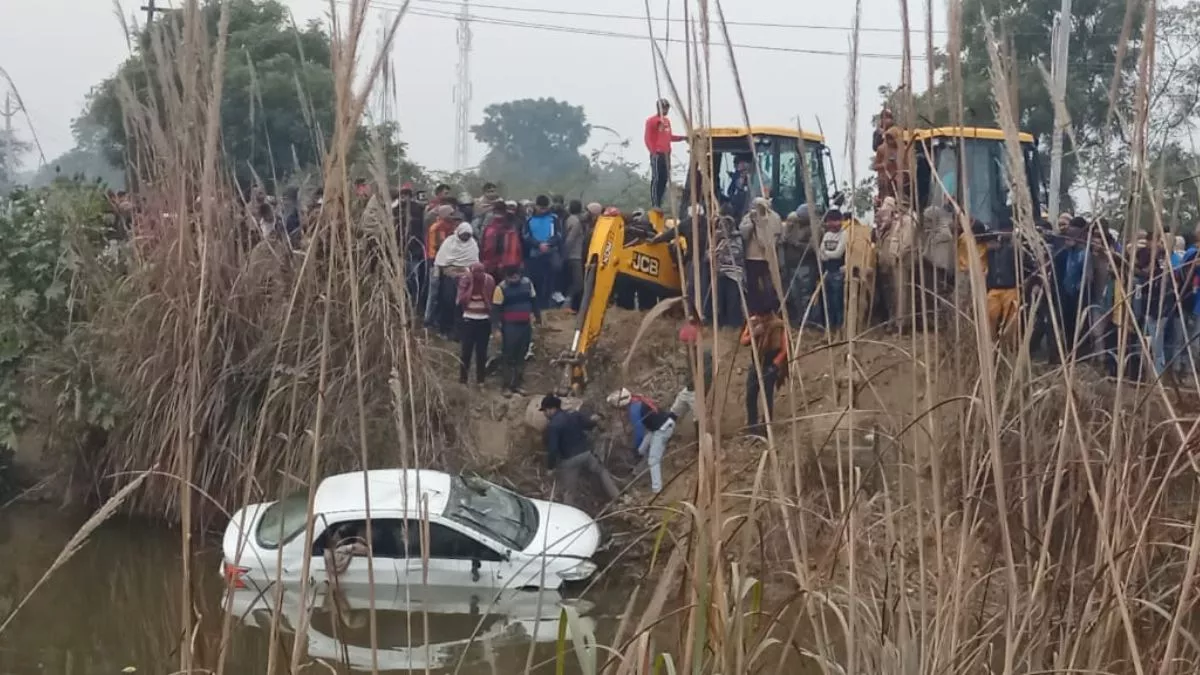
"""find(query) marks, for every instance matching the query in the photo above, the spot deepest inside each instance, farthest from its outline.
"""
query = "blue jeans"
(541, 272)
(835, 283)
(1157, 333)
(653, 447)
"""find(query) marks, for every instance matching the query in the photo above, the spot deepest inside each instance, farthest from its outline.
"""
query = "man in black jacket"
(568, 449)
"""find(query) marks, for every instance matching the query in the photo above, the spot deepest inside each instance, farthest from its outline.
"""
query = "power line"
(749, 24)
(573, 30)
(631, 17)
(576, 30)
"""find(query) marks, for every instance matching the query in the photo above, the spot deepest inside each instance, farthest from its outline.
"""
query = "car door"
(383, 564)
(454, 558)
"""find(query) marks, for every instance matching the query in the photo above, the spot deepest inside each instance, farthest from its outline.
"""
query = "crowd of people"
(484, 266)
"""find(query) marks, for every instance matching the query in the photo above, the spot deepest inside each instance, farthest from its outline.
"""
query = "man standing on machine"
(658, 142)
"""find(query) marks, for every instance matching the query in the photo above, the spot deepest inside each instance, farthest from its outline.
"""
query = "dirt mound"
(878, 376)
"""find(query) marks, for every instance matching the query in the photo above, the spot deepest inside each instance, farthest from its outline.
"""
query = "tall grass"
(1008, 517)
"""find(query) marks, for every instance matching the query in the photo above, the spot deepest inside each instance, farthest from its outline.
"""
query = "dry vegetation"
(999, 516)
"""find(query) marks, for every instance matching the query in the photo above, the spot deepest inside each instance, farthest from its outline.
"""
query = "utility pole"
(8, 113)
(1060, 41)
(462, 89)
(151, 9)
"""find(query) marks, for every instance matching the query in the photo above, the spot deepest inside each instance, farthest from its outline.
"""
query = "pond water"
(116, 606)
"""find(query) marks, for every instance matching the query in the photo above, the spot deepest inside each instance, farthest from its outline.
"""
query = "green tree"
(278, 93)
(385, 138)
(533, 144)
(48, 234)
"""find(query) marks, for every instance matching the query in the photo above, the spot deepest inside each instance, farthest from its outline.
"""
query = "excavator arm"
(618, 249)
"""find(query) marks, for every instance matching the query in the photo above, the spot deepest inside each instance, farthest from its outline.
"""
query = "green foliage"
(1177, 204)
(535, 149)
(48, 235)
(384, 140)
(278, 99)
(861, 198)
(1023, 27)
(533, 141)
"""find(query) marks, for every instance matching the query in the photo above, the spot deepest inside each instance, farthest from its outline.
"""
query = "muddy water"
(116, 605)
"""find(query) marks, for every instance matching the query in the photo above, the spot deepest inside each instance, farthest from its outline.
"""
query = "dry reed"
(1008, 519)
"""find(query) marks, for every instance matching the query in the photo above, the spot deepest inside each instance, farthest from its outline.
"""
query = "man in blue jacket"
(543, 240)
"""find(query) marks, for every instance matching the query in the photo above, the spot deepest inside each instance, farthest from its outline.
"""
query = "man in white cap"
(652, 430)
(639, 408)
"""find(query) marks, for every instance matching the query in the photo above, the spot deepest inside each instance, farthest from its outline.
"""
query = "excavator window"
(778, 170)
(985, 191)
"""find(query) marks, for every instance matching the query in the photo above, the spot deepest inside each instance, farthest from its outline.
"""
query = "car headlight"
(579, 572)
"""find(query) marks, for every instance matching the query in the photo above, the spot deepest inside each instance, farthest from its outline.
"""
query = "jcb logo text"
(645, 264)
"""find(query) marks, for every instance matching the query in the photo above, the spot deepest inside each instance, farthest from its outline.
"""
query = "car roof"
(991, 134)
(390, 489)
(738, 132)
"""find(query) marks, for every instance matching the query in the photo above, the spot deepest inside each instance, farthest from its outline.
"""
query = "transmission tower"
(462, 89)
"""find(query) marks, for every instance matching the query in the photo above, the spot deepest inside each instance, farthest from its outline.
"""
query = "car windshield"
(502, 515)
(283, 520)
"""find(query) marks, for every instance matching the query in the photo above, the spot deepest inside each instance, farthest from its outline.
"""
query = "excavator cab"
(948, 152)
(779, 151)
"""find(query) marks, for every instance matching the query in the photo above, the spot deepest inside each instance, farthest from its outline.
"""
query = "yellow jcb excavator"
(947, 152)
(638, 250)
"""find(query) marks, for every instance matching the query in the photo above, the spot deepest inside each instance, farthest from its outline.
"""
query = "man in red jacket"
(501, 245)
(658, 142)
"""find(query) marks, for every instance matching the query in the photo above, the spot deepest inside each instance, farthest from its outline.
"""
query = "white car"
(427, 528)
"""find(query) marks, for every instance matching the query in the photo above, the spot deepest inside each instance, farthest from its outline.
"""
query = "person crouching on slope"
(640, 407)
(569, 450)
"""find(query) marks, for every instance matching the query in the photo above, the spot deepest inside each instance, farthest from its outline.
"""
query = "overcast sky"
(551, 50)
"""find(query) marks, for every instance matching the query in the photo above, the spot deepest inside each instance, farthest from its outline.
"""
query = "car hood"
(564, 531)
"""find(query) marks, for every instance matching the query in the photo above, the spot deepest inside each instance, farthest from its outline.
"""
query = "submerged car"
(426, 528)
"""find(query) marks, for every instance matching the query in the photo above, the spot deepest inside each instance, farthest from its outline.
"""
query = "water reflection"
(417, 628)
(117, 604)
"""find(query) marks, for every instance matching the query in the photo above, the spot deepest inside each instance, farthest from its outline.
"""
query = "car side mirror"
(475, 565)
